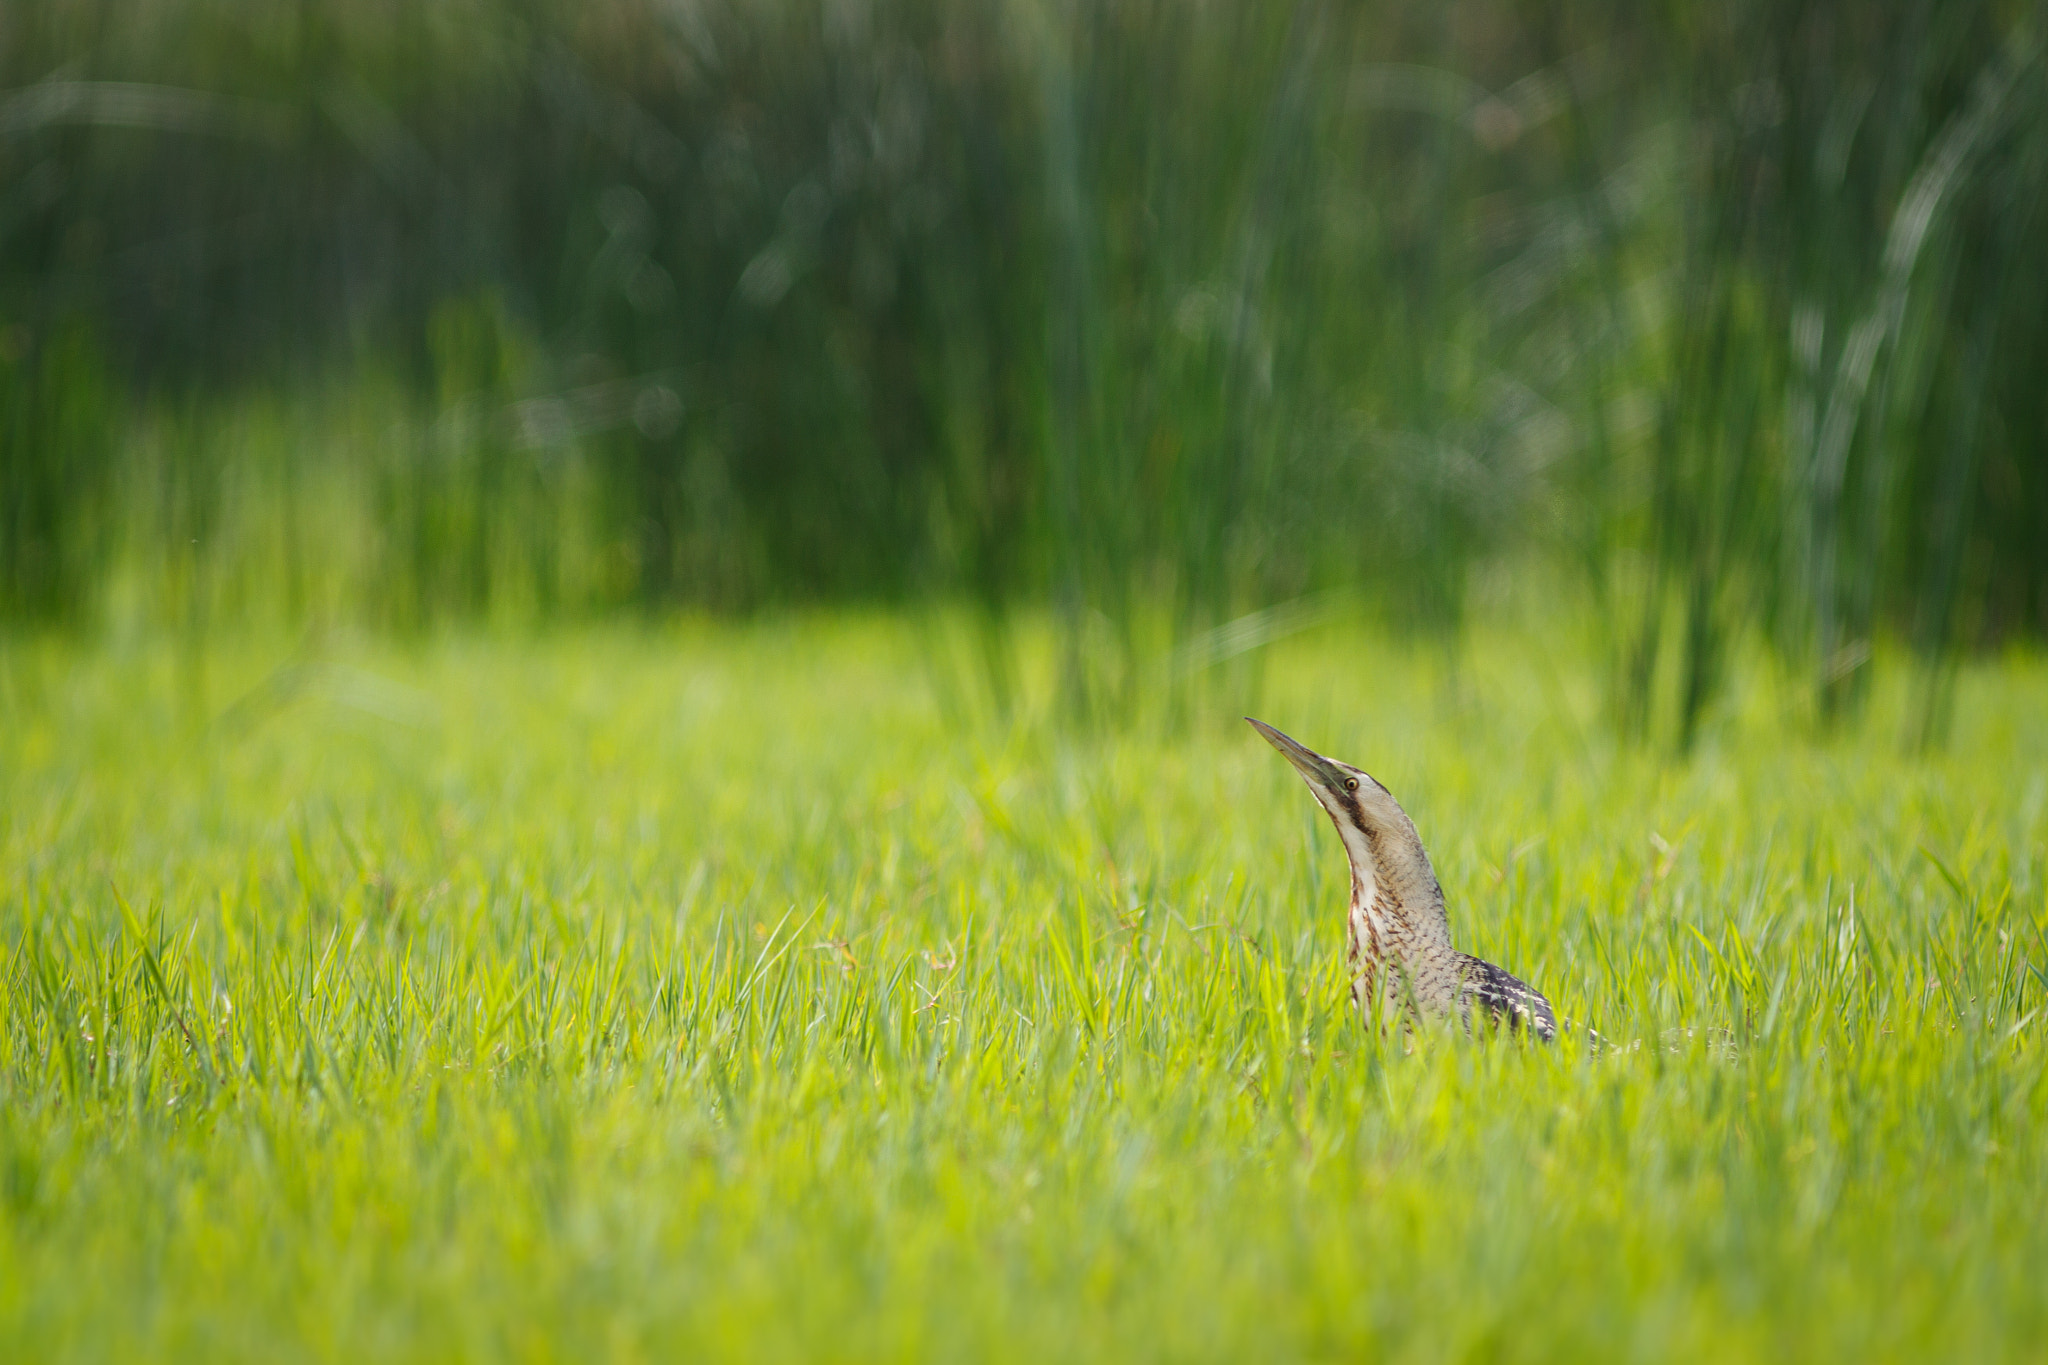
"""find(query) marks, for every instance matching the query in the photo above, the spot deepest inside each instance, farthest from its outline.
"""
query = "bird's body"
(1402, 961)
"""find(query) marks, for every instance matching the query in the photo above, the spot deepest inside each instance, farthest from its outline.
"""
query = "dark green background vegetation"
(1732, 318)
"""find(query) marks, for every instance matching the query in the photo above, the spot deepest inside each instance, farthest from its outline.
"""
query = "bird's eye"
(1351, 784)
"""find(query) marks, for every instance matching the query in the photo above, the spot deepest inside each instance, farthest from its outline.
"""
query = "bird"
(1402, 961)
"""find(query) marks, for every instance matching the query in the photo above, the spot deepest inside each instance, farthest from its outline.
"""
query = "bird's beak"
(1310, 764)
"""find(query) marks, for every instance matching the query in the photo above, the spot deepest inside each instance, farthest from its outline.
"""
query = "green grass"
(712, 992)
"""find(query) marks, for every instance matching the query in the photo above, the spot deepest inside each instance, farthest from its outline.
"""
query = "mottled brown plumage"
(1402, 961)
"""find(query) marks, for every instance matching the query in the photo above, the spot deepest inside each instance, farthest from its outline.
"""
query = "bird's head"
(1380, 840)
(1358, 804)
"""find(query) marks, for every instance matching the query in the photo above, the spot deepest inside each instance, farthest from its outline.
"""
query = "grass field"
(742, 992)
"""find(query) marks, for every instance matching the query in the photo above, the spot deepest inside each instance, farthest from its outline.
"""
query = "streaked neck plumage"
(1400, 937)
(1391, 873)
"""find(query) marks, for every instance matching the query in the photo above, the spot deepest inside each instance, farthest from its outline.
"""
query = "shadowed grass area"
(644, 995)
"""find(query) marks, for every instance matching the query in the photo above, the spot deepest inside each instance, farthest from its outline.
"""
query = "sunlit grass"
(644, 995)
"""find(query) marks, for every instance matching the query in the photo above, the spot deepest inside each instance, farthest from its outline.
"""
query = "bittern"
(1402, 961)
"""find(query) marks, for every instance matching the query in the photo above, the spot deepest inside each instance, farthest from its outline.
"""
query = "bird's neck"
(1391, 880)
